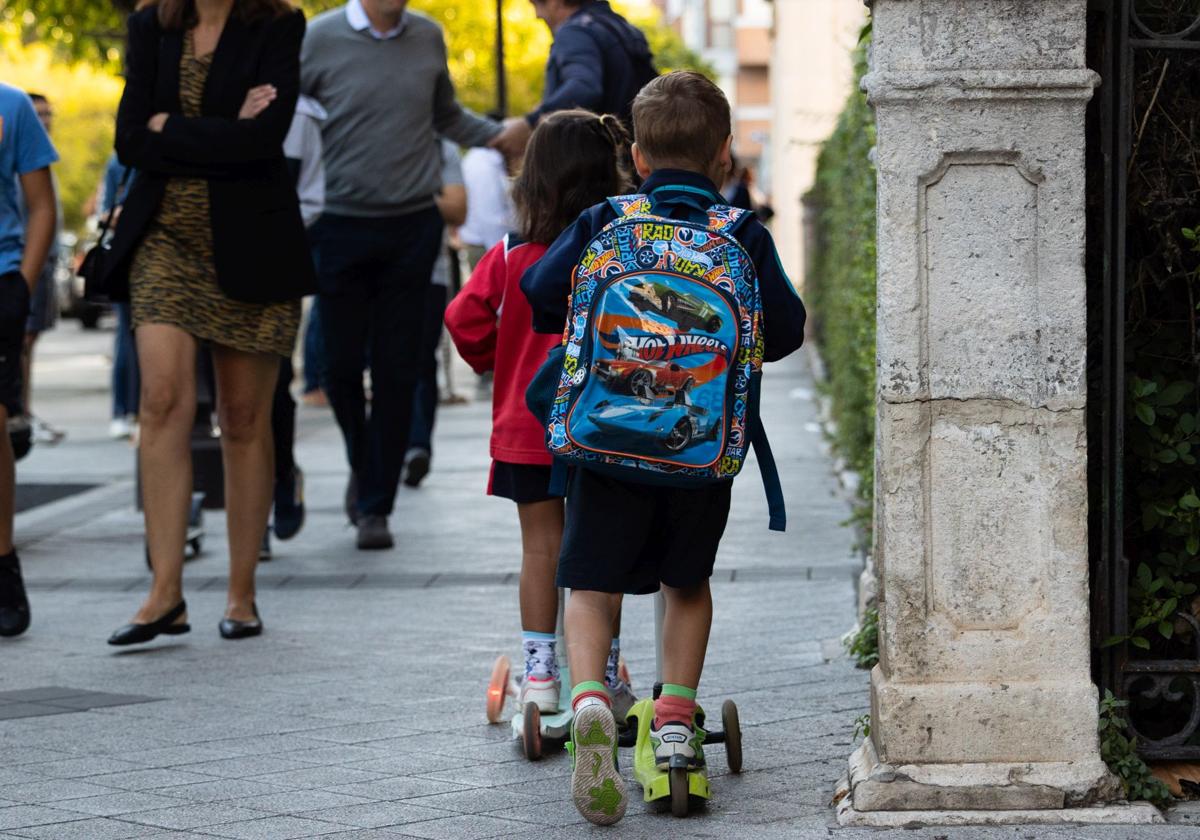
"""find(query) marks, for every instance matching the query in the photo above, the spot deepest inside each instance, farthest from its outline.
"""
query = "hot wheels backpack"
(662, 355)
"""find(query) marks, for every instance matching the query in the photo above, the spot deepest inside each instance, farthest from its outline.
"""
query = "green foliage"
(83, 100)
(862, 727)
(1120, 754)
(840, 285)
(863, 645)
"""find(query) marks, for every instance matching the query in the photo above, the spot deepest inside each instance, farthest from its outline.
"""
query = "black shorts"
(14, 309)
(522, 483)
(626, 537)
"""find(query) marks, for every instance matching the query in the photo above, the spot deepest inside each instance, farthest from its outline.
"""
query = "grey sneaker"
(373, 533)
(596, 786)
(623, 698)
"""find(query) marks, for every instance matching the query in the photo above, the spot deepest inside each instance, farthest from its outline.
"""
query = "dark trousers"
(314, 352)
(126, 383)
(283, 421)
(373, 276)
(425, 400)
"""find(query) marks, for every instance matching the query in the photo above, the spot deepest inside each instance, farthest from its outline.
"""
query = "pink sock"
(668, 708)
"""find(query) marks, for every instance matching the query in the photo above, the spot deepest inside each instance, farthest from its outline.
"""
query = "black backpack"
(641, 62)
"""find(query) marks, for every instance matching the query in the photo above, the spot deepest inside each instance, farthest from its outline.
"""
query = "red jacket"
(492, 326)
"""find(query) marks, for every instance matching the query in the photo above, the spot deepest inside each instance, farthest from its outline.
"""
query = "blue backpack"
(657, 380)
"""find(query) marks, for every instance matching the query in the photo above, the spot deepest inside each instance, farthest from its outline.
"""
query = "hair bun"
(615, 130)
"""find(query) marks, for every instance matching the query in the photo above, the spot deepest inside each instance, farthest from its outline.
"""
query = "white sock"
(541, 659)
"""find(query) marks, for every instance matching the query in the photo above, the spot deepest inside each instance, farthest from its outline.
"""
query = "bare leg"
(685, 633)
(8, 480)
(167, 356)
(245, 390)
(541, 538)
(589, 623)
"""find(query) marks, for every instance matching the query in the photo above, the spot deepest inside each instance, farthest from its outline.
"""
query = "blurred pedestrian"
(303, 152)
(489, 207)
(380, 71)
(43, 306)
(452, 204)
(736, 190)
(126, 381)
(211, 243)
(598, 61)
(25, 239)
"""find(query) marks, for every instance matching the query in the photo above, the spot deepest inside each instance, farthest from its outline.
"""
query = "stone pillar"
(982, 705)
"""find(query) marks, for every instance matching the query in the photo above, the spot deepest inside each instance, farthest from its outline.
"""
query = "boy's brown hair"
(681, 121)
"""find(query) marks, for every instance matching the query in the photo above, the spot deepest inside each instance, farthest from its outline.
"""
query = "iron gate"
(1139, 47)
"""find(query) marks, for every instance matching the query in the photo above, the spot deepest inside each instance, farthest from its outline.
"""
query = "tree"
(93, 31)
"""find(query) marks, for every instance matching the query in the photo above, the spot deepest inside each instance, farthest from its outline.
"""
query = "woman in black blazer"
(209, 248)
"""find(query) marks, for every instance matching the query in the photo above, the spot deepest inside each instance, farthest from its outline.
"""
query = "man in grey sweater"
(380, 73)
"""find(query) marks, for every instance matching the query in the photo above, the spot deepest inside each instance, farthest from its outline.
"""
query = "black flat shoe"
(136, 634)
(231, 628)
(14, 606)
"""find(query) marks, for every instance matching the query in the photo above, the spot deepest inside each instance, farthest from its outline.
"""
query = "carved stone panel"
(979, 261)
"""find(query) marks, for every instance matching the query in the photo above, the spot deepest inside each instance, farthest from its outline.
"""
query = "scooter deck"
(656, 783)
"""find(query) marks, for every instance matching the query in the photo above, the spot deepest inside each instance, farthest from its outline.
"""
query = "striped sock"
(588, 692)
(611, 670)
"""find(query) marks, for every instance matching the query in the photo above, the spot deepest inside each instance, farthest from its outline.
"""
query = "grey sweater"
(386, 102)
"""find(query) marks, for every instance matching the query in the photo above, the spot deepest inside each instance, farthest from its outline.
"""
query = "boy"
(25, 157)
(667, 537)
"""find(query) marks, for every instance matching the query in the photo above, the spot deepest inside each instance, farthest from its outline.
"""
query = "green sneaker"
(596, 786)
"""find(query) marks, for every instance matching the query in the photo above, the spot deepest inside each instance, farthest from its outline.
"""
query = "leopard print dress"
(173, 278)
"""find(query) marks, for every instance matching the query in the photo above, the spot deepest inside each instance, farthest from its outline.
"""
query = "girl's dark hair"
(181, 14)
(575, 159)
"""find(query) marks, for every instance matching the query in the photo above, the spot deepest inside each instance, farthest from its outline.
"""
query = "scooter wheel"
(497, 689)
(531, 735)
(678, 779)
(733, 736)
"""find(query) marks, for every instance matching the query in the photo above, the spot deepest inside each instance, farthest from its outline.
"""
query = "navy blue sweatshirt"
(599, 61)
(547, 283)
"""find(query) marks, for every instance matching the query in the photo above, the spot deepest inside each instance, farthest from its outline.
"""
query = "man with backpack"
(599, 61)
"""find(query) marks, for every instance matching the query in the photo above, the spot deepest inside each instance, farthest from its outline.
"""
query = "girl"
(571, 163)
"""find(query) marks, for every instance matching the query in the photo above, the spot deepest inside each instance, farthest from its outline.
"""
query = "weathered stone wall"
(983, 696)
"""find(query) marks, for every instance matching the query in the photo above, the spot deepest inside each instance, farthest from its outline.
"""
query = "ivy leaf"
(1143, 622)
(1173, 393)
(1166, 629)
(1167, 456)
(1139, 642)
(1189, 234)
(1190, 500)
(1193, 545)
(1187, 423)
(1144, 575)
(1113, 640)
(1145, 413)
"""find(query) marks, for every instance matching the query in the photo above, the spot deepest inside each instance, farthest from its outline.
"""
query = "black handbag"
(96, 265)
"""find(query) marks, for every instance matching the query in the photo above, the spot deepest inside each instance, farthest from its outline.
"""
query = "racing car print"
(674, 426)
(688, 311)
(643, 379)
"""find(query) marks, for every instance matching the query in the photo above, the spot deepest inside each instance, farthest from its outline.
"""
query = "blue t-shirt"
(24, 148)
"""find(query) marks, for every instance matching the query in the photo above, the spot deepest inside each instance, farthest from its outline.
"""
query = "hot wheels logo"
(665, 348)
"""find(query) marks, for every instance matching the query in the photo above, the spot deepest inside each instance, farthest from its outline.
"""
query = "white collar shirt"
(357, 17)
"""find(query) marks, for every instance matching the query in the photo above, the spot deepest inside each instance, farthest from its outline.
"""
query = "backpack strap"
(725, 219)
(635, 204)
(776, 508)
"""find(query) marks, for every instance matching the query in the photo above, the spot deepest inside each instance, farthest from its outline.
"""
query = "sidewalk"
(359, 713)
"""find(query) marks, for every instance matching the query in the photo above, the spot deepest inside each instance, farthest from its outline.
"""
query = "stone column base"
(877, 794)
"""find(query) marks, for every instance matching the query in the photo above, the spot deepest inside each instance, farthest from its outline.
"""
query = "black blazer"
(259, 244)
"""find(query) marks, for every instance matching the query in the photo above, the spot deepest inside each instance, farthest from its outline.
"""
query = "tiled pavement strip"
(359, 713)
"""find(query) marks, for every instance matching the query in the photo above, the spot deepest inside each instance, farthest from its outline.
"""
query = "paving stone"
(399, 787)
(463, 828)
(379, 814)
(53, 790)
(95, 828)
(275, 828)
(298, 801)
(148, 779)
(220, 790)
(21, 816)
(114, 804)
(243, 766)
(78, 768)
(334, 778)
